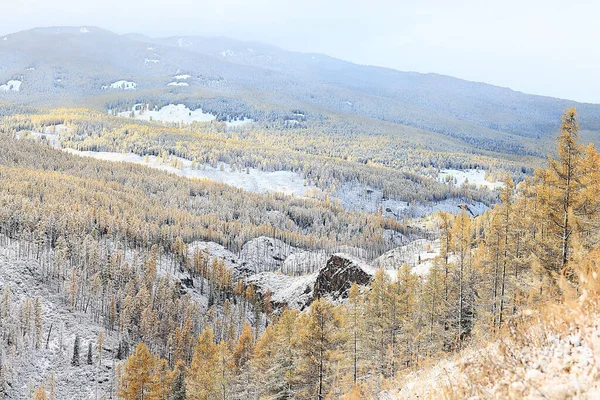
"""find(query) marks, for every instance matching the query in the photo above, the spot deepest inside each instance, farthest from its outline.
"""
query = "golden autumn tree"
(321, 336)
(201, 380)
(137, 378)
(561, 196)
(40, 393)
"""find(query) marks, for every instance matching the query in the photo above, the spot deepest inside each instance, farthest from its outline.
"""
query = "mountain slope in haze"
(74, 64)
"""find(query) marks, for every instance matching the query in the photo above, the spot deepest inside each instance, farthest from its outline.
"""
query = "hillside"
(75, 65)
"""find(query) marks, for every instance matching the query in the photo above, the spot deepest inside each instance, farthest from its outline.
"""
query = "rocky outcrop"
(336, 278)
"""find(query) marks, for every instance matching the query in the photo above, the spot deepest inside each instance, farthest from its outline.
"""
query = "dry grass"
(549, 353)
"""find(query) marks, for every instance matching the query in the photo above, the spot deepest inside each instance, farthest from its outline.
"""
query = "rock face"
(336, 278)
(332, 281)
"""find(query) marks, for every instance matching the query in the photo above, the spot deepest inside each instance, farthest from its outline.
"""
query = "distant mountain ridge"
(77, 63)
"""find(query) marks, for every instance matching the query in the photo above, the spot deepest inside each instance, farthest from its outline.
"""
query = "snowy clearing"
(254, 180)
(362, 198)
(11, 86)
(170, 113)
(178, 113)
(177, 84)
(472, 176)
(123, 85)
(182, 77)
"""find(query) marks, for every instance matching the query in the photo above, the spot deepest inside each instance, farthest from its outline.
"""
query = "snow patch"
(182, 77)
(177, 84)
(471, 176)
(170, 113)
(84, 30)
(123, 85)
(253, 180)
(11, 86)
(151, 61)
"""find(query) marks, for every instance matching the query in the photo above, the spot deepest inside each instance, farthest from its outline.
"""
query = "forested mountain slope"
(64, 65)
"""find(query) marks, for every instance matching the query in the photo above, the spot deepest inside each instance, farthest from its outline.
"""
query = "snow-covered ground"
(177, 84)
(472, 176)
(240, 122)
(151, 61)
(182, 77)
(361, 198)
(295, 291)
(253, 181)
(60, 326)
(418, 254)
(178, 112)
(11, 86)
(51, 134)
(170, 113)
(123, 85)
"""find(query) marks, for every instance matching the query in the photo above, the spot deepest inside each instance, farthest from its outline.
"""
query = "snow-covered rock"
(332, 281)
(266, 254)
(239, 268)
(342, 270)
(292, 291)
(304, 262)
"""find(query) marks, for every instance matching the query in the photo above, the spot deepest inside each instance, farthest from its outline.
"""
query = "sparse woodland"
(110, 239)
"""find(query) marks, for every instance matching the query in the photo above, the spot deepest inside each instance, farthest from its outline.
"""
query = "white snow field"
(170, 113)
(472, 176)
(11, 86)
(182, 77)
(123, 85)
(178, 112)
(177, 84)
(255, 180)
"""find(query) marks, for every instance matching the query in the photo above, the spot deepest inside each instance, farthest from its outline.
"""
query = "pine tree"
(179, 389)
(355, 319)
(76, 348)
(461, 234)
(89, 358)
(38, 322)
